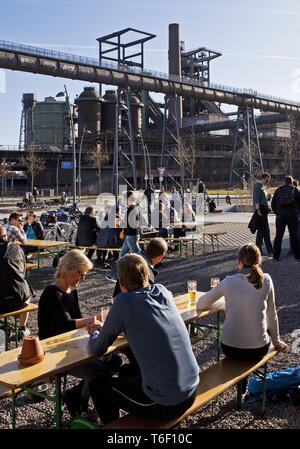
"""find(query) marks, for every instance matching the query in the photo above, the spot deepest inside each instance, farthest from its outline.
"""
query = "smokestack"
(175, 69)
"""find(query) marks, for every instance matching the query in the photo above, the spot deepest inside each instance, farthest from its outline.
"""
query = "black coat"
(87, 231)
(14, 287)
(38, 229)
(255, 222)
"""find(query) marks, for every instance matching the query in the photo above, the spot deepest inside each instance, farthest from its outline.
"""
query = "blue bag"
(276, 381)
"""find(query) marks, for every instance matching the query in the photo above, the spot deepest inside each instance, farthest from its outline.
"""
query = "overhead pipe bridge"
(40, 61)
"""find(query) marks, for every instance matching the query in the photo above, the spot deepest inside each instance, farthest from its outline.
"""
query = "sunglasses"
(82, 275)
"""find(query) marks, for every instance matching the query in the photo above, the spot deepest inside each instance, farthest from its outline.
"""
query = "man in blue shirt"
(169, 374)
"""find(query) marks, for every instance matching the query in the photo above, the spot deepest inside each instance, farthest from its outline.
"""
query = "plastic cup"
(214, 282)
(192, 289)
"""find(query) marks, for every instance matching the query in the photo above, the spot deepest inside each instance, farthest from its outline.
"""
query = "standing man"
(201, 187)
(131, 232)
(87, 230)
(285, 204)
(168, 376)
(260, 203)
(149, 194)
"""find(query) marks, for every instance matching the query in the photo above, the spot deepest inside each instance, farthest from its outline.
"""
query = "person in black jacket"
(131, 228)
(59, 312)
(33, 227)
(15, 292)
(285, 204)
(87, 230)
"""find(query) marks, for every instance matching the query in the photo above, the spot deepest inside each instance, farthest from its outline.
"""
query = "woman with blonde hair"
(248, 297)
(59, 312)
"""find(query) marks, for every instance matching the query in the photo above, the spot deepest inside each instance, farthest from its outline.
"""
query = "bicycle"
(58, 233)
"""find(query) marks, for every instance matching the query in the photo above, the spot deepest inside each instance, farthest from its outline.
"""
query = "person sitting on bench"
(15, 291)
(169, 375)
(251, 319)
(59, 312)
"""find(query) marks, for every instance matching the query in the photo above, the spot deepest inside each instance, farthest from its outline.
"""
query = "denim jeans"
(131, 244)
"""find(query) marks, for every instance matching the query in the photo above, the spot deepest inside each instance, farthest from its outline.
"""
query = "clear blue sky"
(259, 40)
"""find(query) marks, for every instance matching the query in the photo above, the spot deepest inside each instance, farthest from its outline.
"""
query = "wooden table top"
(70, 349)
(42, 244)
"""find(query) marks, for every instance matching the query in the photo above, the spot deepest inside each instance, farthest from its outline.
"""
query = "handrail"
(37, 51)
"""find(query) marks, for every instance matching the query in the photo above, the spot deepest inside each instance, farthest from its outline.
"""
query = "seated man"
(15, 293)
(169, 375)
(15, 229)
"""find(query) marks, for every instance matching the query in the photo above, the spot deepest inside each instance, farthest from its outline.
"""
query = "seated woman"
(59, 312)
(33, 229)
(251, 321)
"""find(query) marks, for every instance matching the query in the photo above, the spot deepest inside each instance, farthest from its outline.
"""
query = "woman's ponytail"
(250, 257)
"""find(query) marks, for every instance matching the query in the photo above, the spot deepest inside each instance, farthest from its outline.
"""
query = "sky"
(258, 39)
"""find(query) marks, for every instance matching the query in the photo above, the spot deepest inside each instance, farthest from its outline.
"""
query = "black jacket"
(14, 287)
(282, 191)
(255, 222)
(38, 229)
(87, 231)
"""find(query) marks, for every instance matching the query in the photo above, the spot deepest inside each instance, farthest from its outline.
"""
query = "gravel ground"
(96, 291)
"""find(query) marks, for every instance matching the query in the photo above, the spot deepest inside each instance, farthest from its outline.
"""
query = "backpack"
(285, 196)
(14, 286)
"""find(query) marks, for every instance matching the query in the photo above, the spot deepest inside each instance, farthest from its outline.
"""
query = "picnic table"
(49, 246)
(63, 352)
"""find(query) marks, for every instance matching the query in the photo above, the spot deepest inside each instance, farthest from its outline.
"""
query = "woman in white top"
(251, 321)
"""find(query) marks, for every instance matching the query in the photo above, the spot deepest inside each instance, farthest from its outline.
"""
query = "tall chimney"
(175, 69)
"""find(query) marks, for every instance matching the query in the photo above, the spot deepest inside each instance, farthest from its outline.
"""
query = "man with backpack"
(285, 204)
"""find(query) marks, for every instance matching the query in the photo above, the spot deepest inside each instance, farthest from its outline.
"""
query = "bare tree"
(186, 153)
(5, 168)
(97, 156)
(33, 162)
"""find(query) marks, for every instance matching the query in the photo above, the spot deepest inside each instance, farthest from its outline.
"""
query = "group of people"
(157, 374)
(286, 206)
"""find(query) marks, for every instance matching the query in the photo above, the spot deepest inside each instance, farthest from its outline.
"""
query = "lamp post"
(57, 166)
(79, 162)
(65, 94)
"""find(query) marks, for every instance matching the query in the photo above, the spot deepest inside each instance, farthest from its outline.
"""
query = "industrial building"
(189, 137)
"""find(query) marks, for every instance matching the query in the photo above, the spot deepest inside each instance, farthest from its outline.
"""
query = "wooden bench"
(214, 236)
(213, 381)
(182, 241)
(28, 267)
(93, 247)
(7, 326)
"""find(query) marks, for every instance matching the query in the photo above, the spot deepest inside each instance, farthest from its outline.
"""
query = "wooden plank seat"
(182, 241)
(7, 326)
(28, 267)
(216, 379)
(7, 392)
(214, 237)
(93, 247)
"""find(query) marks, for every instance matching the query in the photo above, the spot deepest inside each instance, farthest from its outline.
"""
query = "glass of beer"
(214, 282)
(192, 289)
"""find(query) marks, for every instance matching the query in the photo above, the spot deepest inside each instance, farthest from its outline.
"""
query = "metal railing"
(57, 55)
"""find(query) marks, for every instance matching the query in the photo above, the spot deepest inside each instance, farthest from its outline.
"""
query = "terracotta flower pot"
(32, 351)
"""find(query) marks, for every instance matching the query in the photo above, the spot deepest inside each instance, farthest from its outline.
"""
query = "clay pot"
(32, 351)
